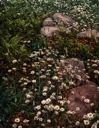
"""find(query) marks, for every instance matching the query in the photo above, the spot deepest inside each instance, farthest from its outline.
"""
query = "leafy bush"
(72, 46)
(11, 48)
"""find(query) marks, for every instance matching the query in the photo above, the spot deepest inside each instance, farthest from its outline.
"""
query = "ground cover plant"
(34, 81)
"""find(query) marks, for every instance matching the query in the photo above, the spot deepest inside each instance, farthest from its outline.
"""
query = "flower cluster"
(18, 120)
(93, 69)
(44, 77)
(87, 118)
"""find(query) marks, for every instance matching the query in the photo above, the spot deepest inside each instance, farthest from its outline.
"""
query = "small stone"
(48, 22)
(49, 31)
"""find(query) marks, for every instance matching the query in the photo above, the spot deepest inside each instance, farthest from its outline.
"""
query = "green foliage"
(96, 50)
(12, 48)
(10, 101)
(20, 23)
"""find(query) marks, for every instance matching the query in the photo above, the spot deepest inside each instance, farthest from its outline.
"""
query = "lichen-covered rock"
(58, 22)
(88, 34)
(49, 31)
(65, 20)
(82, 99)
